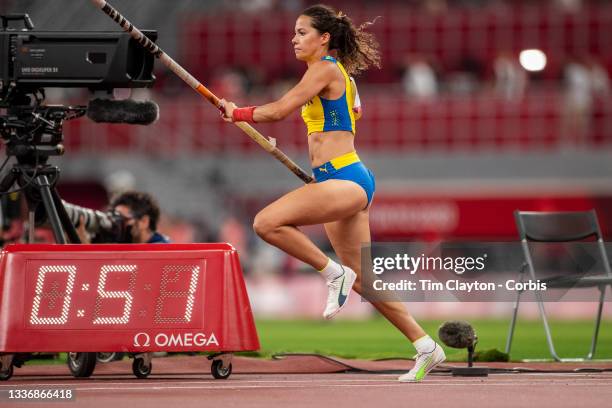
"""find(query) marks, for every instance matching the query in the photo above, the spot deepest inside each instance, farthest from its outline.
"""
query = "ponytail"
(357, 49)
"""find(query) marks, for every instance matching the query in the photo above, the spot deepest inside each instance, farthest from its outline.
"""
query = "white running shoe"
(423, 364)
(339, 290)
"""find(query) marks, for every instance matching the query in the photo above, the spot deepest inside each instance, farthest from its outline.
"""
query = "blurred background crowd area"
(481, 107)
(456, 75)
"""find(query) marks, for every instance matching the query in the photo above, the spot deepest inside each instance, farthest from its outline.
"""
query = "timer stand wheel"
(220, 372)
(142, 366)
(81, 365)
(6, 367)
(221, 367)
(6, 374)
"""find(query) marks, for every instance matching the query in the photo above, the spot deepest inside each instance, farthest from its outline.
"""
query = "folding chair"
(561, 227)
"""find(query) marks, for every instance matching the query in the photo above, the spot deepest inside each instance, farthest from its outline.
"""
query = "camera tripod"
(32, 133)
(37, 179)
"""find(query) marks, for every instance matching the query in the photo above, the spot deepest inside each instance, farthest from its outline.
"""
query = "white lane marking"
(217, 386)
(432, 378)
(154, 382)
(514, 378)
(237, 387)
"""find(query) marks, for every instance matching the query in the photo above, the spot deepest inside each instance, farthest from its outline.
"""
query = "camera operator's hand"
(82, 232)
(227, 110)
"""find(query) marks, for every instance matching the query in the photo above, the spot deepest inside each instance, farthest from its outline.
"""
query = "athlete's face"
(307, 41)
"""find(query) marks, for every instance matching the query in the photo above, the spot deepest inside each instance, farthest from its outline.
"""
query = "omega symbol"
(145, 336)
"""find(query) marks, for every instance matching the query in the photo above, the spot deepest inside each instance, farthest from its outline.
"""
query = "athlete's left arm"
(316, 78)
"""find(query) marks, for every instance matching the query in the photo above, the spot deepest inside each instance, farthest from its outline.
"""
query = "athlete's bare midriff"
(324, 146)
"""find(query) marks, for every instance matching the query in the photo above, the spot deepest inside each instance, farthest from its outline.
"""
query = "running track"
(112, 385)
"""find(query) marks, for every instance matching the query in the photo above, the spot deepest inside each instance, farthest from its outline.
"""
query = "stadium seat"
(561, 227)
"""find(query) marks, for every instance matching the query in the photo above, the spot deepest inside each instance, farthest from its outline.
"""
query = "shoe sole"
(354, 278)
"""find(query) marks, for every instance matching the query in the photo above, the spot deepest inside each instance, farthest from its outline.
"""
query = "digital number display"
(52, 296)
(112, 295)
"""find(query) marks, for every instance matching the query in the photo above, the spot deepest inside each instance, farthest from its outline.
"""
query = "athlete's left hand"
(227, 110)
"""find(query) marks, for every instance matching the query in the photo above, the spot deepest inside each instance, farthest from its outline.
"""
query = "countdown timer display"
(135, 298)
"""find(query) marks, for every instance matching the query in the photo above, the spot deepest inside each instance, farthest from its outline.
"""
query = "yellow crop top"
(324, 115)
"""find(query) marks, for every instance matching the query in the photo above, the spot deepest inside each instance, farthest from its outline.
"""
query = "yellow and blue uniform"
(326, 115)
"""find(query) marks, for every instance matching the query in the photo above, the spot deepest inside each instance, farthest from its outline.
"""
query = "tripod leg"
(64, 218)
(9, 180)
(47, 198)
(31, 226)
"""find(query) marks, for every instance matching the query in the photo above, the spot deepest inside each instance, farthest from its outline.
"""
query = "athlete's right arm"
(316, 78)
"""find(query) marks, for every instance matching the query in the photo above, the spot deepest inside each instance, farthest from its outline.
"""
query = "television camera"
(31, 61)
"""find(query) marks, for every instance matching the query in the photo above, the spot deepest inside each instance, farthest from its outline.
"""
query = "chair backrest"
(563, 226)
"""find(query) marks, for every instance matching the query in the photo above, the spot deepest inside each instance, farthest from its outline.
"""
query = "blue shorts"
(347, 167)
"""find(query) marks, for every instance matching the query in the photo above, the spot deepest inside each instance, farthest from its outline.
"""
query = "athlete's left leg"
(347, 237)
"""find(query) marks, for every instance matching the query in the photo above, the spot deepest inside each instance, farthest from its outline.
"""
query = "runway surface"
(308, 381)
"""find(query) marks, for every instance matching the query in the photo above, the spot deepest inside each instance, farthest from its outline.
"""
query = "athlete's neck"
(318, 56)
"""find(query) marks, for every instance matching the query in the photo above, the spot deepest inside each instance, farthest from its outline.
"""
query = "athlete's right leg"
(315, 203)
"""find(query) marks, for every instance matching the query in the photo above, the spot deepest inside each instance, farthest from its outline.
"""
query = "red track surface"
(306, 382)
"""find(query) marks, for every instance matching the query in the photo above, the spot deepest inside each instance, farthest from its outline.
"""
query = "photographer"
(141, 214)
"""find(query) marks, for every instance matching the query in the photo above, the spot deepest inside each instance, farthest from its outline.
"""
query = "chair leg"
(597, 323)
(538, 296)
(549, 338)
(515, 311)
(512, 323)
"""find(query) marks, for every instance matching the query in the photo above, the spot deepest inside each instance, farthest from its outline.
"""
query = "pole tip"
(99, 3)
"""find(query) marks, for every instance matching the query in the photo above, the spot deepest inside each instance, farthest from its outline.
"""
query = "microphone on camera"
(122, 111)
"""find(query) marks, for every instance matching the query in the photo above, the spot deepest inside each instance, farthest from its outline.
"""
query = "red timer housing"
(130, 298)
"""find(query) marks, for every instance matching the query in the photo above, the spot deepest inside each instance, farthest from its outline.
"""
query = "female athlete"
(340, 198)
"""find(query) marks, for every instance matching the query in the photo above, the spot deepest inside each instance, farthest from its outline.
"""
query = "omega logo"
(143, 339)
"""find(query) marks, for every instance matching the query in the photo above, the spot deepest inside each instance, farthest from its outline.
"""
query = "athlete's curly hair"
(357, 49)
